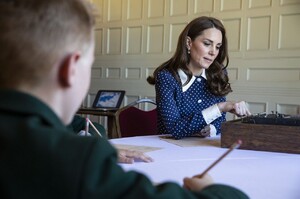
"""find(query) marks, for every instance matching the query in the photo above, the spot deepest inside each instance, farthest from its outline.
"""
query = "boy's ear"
(67, 69)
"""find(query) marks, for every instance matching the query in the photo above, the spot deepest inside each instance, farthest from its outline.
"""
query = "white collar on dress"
(183, 77)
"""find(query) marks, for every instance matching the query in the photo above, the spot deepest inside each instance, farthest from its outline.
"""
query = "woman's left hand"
(205, 132)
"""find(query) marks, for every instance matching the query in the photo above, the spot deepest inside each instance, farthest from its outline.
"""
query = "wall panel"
(175, 30)
(274, 75)
(155, 38)
(289, 31)
(230, 5)
(133, 73)
(133, 37)
(114, 40)
(134, 9)
(98, 41)
(156, 8)
(114, 10)
(113, 73)
(259, 3)
(178, 7)
(202, 6)
(134, 40)
(259, 33)
(234, 29)
(289, 2)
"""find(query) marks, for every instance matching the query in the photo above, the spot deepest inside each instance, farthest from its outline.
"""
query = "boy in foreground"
(46, 54)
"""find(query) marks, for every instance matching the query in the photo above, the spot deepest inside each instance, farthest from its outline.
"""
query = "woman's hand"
(238, 108)
(128, 156)
(208, 131)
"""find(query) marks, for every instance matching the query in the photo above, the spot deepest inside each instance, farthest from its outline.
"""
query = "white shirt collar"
(183, 77)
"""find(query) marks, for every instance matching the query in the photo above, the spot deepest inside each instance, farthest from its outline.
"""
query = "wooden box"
(261, 137)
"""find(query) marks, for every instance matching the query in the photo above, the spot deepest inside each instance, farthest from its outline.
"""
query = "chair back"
(132, 121)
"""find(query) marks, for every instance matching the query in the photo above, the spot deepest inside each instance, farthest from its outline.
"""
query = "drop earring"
(188, 51)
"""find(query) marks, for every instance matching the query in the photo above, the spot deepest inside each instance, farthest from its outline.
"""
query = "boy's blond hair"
(36, 34)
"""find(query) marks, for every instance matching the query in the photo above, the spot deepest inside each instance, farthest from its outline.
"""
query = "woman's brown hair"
(217, 78)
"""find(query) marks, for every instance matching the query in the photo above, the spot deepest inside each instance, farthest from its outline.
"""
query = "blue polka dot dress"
(180, 107)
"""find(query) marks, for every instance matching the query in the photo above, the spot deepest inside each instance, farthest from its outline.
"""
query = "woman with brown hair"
(192, 85)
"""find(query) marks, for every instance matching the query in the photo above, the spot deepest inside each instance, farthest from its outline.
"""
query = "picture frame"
(108, 99)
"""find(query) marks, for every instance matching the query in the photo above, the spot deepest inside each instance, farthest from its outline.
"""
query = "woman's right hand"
(237, 108)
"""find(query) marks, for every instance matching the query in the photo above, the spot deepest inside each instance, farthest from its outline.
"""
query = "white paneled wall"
(133, 37)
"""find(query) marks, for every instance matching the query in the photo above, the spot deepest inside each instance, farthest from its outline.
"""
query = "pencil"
(94, 127)
(86, 126)
(233, 146)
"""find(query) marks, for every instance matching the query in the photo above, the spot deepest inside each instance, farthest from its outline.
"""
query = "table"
(111, 119)
(259, 174)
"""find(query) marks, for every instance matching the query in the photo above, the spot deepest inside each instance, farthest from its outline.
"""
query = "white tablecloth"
(262, 175)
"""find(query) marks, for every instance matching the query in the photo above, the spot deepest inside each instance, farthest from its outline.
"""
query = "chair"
(132, 121)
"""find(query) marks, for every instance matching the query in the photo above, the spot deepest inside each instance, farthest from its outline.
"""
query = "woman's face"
(204, 49)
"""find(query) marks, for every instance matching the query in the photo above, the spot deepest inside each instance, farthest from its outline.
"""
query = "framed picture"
(108, 99)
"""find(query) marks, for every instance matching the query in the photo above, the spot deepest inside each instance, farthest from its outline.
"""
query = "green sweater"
(41, 158)
(78, 123)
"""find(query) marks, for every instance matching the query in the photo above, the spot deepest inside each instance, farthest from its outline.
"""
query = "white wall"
(134, 36)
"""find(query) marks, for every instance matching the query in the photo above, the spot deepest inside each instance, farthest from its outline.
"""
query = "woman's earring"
(189, 51)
